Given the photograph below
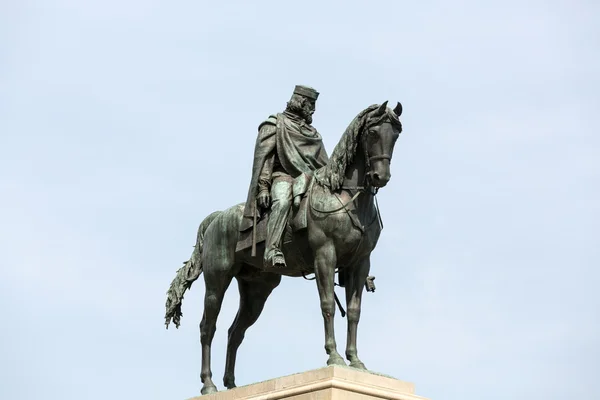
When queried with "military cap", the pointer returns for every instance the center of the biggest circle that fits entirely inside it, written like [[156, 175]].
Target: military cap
[[306, 92]]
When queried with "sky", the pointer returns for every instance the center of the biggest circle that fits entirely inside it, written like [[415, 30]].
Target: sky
[[124, 123]]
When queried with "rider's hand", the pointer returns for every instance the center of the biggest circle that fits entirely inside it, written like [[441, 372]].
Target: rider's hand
[[264, 199]]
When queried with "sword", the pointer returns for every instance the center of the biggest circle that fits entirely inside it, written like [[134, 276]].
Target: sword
[[254, 232], [339, 305]]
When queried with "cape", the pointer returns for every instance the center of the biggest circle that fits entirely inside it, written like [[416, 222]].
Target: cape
[[299, 149]]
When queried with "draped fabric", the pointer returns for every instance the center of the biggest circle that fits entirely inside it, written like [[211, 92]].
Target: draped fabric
[[297, 146]]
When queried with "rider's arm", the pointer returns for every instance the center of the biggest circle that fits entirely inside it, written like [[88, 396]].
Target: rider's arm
[[264, 179]]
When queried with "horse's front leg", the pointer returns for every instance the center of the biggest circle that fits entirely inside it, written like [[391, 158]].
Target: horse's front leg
[[325, 261], [354, 289]]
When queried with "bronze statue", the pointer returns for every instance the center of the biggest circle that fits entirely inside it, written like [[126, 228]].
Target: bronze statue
[[332, 228]]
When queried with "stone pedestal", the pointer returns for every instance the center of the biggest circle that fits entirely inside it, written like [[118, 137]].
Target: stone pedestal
[[330, 383]]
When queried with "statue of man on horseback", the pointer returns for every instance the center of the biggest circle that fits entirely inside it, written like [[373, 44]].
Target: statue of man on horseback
[[287, 146], [334, 231]]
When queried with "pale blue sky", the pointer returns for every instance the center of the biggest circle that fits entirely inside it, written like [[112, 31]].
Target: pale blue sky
[[487, 268]]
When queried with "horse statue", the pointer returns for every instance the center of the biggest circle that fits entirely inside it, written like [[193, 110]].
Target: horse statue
[[335, 225]]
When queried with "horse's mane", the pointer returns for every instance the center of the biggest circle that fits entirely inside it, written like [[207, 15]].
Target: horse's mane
[[332, 175]]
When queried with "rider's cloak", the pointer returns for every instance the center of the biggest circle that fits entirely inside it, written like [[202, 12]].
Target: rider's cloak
[[284, 140]]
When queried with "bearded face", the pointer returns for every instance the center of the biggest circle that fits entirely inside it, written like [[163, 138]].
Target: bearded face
[[302, 107], [308, 109]]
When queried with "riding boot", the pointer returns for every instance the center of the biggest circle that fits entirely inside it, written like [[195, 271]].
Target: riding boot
[[281, 203]]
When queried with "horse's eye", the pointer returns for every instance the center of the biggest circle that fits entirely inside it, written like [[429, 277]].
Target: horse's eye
[[373, 136]]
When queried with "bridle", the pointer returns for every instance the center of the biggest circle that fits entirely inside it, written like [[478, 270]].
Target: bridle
[[367, 187], [381, 157]]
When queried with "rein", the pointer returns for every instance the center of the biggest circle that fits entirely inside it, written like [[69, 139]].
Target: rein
[[343, 206], [359, 189]]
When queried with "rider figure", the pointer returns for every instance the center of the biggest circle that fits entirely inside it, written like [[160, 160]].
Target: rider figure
[[287, 146]]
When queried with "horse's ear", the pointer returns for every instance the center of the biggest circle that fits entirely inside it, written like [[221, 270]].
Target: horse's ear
[[382, 108], [398, 109]]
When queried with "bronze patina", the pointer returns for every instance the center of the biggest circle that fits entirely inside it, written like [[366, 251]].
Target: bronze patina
[[306, 213]]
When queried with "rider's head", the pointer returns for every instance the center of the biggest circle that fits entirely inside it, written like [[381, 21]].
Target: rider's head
[[303, 102]]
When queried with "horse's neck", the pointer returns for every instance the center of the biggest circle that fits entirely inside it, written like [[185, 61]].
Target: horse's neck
[[354, 180], [355, 172]]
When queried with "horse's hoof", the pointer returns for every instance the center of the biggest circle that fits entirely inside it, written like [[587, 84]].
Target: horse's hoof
[[336, 359], [358, 365], [229, 381], [209, 390]]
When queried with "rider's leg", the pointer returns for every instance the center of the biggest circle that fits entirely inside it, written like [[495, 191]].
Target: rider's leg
[[281, 203]]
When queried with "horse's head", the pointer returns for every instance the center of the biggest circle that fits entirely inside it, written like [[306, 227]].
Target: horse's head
[[371, 136], [378, 139]]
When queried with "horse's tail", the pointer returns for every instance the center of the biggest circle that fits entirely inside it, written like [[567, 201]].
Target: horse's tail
[[186, 275]]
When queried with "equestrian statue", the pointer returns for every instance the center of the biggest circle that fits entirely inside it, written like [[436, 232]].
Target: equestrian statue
[[306, 213]]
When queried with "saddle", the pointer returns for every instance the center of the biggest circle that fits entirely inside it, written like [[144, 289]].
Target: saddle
[[296, 222]]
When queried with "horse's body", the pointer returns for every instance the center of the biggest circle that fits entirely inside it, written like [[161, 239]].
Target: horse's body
[[342, 229]]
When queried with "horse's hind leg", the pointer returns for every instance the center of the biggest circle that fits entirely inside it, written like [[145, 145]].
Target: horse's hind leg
[[218, 273], [253, 295]]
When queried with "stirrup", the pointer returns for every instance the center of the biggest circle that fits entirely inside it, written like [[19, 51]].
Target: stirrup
[[276, 260]]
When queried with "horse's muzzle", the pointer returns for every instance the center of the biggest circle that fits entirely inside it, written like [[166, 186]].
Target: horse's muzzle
[[379, 180]]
